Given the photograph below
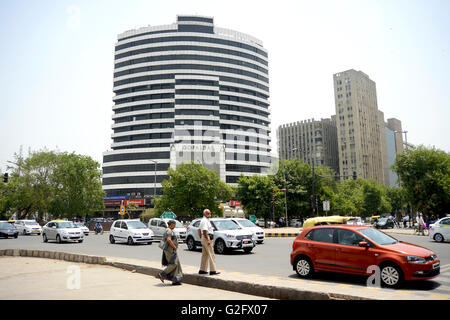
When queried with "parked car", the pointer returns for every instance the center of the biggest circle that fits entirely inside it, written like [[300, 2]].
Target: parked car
[[131, 232], [227, 236], [356, 221], [159, 226], [384, 223], [258, 232], [28, 227], [8, 230], [440, 230], [353, 249], [295, 223], [82, 227], [62, 231]]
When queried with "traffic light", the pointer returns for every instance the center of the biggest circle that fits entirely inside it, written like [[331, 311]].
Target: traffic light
[[5, 177], [354, 175]]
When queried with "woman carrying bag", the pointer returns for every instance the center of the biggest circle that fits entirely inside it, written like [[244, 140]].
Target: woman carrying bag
[[170, 259]]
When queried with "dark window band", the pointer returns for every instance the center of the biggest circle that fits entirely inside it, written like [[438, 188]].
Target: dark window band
[[136, 156]]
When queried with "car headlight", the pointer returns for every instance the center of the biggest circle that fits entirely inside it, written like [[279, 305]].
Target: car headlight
[[415, 259]]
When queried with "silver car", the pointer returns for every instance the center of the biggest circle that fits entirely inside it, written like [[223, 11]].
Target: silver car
[[159, 226], [62, 231]]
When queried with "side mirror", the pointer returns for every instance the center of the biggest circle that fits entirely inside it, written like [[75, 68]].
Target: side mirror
[[363, 244]]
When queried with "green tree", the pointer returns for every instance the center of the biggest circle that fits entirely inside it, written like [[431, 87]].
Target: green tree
[[190, 189], [256, 194], [424, 174]]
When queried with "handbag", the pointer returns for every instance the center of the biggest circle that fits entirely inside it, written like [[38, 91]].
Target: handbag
[[162, 244]]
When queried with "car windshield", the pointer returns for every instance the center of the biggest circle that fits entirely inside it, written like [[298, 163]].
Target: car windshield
[[378, 237], [178, 224], [77, 224], [31, 223], [67, 224], [383, 220], [225, 225], [6, 225], [136, 225], [246, 223]]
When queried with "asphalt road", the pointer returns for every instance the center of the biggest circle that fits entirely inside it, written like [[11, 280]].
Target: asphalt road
[[270, 258]]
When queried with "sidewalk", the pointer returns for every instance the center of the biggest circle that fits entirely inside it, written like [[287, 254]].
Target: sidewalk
[[101, 281]]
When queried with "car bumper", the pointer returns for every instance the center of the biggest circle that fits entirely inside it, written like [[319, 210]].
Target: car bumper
[[34, 231], [143, 239], [71, 238], [422, 271], [240, 244], [9, 234]]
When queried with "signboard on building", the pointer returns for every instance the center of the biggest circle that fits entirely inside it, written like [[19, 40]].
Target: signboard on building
[[235, 203], [116, 203]]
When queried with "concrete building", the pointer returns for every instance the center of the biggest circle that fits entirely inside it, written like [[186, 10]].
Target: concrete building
[[187, 91], [311, 141], [360, 130]]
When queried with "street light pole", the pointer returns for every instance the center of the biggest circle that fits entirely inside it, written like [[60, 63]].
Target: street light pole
[[154, 183]]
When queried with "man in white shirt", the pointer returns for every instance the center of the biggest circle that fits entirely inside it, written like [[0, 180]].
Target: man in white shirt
[[208, 256]]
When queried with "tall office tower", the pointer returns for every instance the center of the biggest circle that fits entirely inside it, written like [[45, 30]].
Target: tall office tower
[[311, 140], [396, 126], [188, 91], [358, 126]]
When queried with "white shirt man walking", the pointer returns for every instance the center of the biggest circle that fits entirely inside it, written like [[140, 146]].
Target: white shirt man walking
[[208, 256]]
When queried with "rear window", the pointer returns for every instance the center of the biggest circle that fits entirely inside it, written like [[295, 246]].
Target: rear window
[[321, 235]]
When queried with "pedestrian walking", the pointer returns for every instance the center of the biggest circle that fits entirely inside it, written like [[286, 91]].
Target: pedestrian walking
[[207, 235], [420, 223], [173, 271]]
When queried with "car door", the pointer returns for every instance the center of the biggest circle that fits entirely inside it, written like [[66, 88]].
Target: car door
[[18, 225], [323, 248], [444, 227], [162, 226], [51, 231], [350, 257], [153, 225]]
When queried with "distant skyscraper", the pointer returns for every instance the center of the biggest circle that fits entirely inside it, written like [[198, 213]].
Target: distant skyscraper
[[359, 128], [188, 91], [311, 141]]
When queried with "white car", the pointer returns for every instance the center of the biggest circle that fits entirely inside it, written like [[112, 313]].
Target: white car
[[258, 233], [28, 227], [440, 230], [82, 227], [227, 236], [62, 231], [295, 223], [159, 226], [130, 231]]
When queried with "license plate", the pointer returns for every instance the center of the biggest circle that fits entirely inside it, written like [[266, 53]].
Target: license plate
[[436, 265], [246, 242]]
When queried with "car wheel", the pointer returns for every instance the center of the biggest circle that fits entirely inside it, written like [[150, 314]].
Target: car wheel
[[438, 237], [191, 244], [80, 241], [259, 242], [16, 235], [24, 233], [58, 239], [391, 275], [130, 241], [220, 246], [111, 239], [44, 236], [303, 267], [248, 250], [149, 242]]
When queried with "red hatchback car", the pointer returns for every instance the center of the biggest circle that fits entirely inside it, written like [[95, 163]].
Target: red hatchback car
[[353, 249]]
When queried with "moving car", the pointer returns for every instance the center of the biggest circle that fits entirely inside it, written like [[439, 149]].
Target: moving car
[[440, 230], [62, 231], [384, 223], [82, 227], [159, 226], [130, 231], [295, 223], [258, 233], [8, 230], [28, 227], [353, 249], [227, 236]]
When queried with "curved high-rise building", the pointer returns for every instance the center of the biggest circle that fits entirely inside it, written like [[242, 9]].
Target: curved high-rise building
[[187, 91]]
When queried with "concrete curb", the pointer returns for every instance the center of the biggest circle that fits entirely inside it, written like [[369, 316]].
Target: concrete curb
[[269, 291]]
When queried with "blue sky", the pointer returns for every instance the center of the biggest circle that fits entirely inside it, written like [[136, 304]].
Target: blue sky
[[56, 62]]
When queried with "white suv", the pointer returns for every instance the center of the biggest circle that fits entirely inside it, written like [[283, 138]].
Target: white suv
[[258, 233], [62, 231], [28, 227], [159, 226], [130, 231], [227, 236]]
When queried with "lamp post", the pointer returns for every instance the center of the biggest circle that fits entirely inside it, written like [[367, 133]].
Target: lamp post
[[154, 183]]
